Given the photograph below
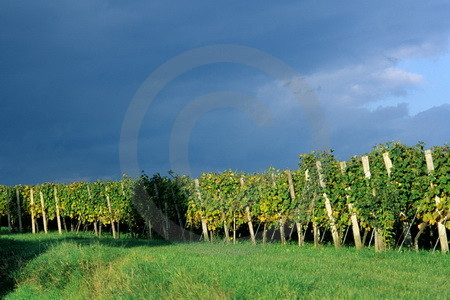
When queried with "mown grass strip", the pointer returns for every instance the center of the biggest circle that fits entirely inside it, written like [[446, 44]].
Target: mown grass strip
[[84, 267]]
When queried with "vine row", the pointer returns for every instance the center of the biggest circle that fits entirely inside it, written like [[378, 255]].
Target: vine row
[[389, 198]]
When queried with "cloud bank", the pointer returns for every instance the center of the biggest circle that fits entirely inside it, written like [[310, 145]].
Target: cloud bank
[[69, 70]]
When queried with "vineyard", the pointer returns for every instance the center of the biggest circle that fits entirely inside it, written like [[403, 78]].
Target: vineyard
[[397, 196]]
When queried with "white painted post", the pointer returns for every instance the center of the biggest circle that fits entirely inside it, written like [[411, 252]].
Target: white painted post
[[334, 231], [249, 219], [380, 243], [406, 226], [300, 236], [19, 210], [33, 225], [58, 215], [355, 225], [113, 228], [44, 215], [441, 227], [204, 224]]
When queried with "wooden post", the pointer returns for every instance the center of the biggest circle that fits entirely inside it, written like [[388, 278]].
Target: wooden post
[[203, 220], [380, 243], [334, 231], [226, 229], [441, 227], [33, 225], [165, 226], [8, 214], [150, 229], [65, 224], [421, 227], [234, 229], [406, 225], [298, 225], [249, 219], [281, 221], [264, 234], [44, 215], [282, 231], [19, 210], [316, 231], [180, 220], [181, 223], [211, 234], [113, 228], [301, 238], [77, 228], [130, 227], [387, 163], [364, 237], [96, 231], [95, 228], [355, 225], [58, 214], [9, 221]]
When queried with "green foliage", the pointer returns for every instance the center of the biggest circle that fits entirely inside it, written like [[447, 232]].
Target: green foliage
[[6, 198], [384, 201]]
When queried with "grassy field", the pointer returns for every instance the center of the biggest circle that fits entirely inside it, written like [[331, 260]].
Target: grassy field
[[81, 266]]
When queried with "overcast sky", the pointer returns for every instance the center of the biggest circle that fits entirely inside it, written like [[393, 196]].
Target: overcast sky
[[70, 70]]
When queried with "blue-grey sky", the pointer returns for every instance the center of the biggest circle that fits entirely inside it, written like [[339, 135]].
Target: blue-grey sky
[[70, 69]]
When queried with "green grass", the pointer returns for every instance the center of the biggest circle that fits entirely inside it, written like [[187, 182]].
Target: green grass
[[80, 267]]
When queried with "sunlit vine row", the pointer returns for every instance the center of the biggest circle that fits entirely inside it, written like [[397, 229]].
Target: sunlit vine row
[[323, 193]]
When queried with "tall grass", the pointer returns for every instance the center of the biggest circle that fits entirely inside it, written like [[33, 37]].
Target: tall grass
[[89, 268]]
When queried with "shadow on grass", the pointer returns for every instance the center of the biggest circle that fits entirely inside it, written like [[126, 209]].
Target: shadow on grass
[[16, 250]]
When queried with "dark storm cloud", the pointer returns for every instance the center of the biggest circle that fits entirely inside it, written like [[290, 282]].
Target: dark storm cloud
[[70, 68], [356, 130]]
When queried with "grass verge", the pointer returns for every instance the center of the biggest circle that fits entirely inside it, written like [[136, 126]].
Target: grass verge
[[82, 267]]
